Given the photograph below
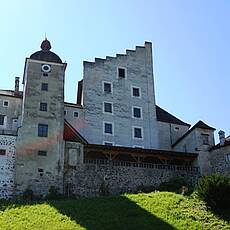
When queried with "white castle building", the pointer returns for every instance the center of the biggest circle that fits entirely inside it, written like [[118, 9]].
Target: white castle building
[[115, 118]]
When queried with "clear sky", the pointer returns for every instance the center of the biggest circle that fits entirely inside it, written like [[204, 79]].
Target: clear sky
[[191, 44]]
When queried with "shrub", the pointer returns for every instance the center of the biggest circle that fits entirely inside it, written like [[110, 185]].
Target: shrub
[[104, 189], [175, 184], [215, 191], [53, 194], [145, 188]]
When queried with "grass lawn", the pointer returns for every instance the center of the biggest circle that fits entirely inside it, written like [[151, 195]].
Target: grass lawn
[[160, 210]]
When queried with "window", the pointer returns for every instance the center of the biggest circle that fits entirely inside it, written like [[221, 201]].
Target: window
[[42, 153], [107, 87], [45, 74], [65, 112], [176, 129], [75, 114], [108, 128], [108, 107], [43, 106], [137, 112], [42, 130], [2, 119], [136, 91], [5, 103], [2, 152], [137, 133], [138, 147], [121, 72], [44, 87], [108, 143], [41, 171], [228, 157], [205, 139]]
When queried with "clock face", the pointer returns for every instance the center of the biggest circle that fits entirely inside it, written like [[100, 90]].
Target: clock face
[[46, 68]]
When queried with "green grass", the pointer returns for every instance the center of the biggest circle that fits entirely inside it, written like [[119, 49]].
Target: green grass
[[160, 210]]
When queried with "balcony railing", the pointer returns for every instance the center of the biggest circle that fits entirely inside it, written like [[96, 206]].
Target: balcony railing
[[140, 165]]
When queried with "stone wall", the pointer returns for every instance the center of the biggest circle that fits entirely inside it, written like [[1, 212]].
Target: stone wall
[[7, 166], [219, 161], [86, 179]]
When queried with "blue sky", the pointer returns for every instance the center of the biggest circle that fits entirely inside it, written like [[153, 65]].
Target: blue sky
[[190, 43]]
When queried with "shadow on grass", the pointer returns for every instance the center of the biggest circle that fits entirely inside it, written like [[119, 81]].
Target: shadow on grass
[[223, 214], [110, 213]]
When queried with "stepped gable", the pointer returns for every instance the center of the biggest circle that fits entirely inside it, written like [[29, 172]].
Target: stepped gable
[[165, 116], [200, 124], [109, 58]]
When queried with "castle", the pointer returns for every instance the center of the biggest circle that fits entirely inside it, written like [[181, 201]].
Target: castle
[[114, 133]]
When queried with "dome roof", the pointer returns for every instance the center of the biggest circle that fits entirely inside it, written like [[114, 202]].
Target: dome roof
[[45, 54]]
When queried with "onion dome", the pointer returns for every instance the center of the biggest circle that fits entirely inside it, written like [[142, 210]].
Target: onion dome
[[45, 54]]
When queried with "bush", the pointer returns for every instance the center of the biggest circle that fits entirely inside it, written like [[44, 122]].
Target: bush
[[145, 188], [215, 191], [104, 189], [175, 184], [53, 194]]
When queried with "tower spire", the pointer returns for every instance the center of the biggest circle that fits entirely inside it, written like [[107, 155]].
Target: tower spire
[[46, 46]]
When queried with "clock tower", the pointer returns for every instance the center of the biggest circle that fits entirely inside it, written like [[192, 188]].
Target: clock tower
[[40, 145]]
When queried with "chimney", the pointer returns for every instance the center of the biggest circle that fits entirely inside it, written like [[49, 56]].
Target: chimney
[[221, 137], [16, 85]]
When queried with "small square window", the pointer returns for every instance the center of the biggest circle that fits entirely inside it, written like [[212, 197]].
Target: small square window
[[108, 128], [2, 119], [2, 152], [40, 170], [45, 74], [108, 143], [121, 72], [137, 132], [108, 108], [5, 103], [44, 87], [43, 107], [107, 87], [75, 114], [205, 139], [136, 112], [42, 153], [42, 130], [228, 157], [136, 92]]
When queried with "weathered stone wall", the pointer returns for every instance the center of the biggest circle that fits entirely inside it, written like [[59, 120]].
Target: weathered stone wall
[[7, 166], [218, 160], [169, 133], [12, 112], [139, 73], [77, 122], [193, 143], [86, 180], [33, 170]]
